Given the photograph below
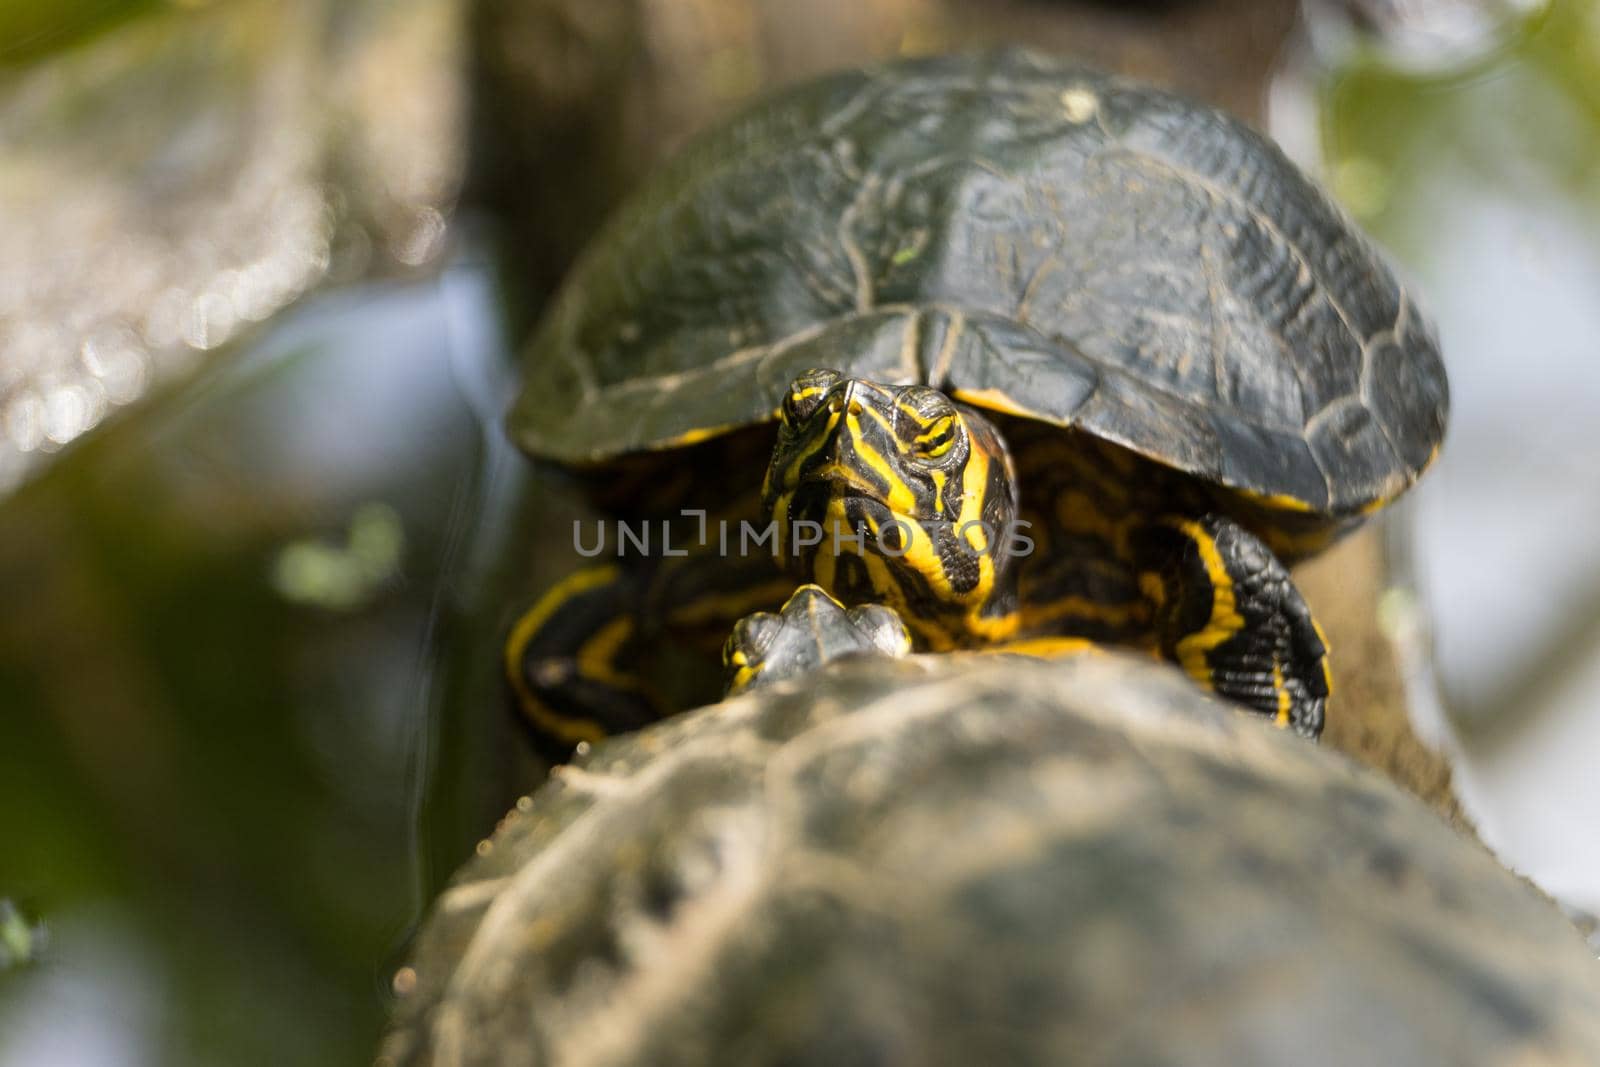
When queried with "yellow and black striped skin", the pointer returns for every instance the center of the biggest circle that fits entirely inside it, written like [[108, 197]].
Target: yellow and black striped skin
[[1124, 552], [593, 655], [912, 497], [1135, 554], [564, 658]]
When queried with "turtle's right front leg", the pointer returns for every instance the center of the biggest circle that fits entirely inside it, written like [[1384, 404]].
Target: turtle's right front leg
[[617, 646], [570, 658]]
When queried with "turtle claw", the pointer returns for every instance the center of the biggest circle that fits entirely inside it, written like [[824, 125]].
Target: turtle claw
[[811, 630]]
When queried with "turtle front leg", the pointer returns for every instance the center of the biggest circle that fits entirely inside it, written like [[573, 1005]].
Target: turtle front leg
[[1226, 610], [569, 658], [615, 647]]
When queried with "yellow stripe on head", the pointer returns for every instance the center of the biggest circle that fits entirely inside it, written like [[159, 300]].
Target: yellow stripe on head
[[900, 498]]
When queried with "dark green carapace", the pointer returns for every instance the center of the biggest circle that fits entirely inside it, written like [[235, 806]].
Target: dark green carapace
[[980, 288]]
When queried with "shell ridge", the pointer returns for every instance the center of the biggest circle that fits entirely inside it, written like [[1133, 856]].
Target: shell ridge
[[1222, 193]]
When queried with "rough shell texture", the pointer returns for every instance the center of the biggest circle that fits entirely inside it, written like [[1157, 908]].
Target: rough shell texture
[[1032, 234], [982, 860]]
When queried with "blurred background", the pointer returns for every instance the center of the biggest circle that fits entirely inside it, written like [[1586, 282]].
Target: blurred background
[[264, 266]]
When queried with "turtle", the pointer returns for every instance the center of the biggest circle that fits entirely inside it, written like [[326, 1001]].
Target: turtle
[[1016, 348], [965, 858]]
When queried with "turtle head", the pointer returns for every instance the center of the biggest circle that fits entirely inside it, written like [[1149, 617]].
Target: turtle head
[[811, 630], [896, 494]]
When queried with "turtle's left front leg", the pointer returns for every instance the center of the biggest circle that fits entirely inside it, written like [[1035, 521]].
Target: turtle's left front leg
[[1227, 611]]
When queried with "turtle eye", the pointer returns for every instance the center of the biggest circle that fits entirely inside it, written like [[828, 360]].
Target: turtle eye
[[805, 396], [938, 439], [928, 421]]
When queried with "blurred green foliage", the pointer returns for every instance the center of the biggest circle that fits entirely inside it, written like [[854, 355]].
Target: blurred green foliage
[[33, 28], [20, 941], [1524, 116], [244, 763]]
